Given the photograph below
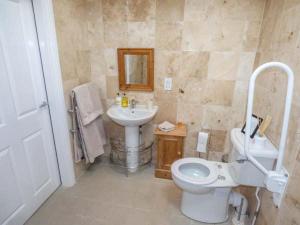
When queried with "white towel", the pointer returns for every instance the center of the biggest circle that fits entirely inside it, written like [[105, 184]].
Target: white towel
[[166, 126], [88, 102], [89, 135], [93, 138]]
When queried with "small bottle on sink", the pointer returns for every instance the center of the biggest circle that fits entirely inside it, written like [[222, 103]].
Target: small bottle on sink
[[124, 102], [118, 99]]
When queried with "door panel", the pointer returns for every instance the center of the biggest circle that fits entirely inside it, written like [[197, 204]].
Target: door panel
[[28, 164], [18, 61], [10, 192], [36, 159]]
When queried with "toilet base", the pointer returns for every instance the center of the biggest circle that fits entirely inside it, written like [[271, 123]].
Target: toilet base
[[211, 207]]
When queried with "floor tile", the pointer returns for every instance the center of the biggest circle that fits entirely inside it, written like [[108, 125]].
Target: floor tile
[[104, 195]]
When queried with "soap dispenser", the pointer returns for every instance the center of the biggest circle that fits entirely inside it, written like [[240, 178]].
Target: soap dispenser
[[118, 99], [124, 102]]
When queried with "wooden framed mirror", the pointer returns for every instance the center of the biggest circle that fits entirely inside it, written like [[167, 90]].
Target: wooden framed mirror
[[136, 69]]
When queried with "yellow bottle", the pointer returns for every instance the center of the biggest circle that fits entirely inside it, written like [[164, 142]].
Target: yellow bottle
[[124, 102]]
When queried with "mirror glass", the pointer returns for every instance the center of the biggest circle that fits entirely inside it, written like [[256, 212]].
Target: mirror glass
[[136, 69]]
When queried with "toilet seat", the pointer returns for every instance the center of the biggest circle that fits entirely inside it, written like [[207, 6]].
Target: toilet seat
[[195, 171]]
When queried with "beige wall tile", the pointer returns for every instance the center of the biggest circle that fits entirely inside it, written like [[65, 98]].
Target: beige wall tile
[[190, 114], [221, 117], [223, 65], [197, 35], [110, 58], [229, 35], [251, 35], [217, 92], [141, 10], [196, 10], [141, 34], [95, 34], [83, 66], [240, 95], [169, 10], [168, 35], [94, 19], [167, 63], [168, 111], [269, 34], [142, 97], [290, 4], [194, 64], [217, 140], [193, 90], [289, 27], [215, 156], [246, 66], [190, 144], [167, 103], [245, 10], [100, 81], [115, 34], [112, 86], [114, 10], [97, 63]]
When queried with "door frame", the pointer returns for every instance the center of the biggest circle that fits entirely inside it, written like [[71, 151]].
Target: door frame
[[45, 25]]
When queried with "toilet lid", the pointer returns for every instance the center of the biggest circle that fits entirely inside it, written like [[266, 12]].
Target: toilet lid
[[195, 170]]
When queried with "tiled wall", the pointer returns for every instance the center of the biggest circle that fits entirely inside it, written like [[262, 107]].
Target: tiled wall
[[79, 36], [280, 41], [208, 47]]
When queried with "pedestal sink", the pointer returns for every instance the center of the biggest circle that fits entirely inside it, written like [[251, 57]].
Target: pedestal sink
[[131, 119]]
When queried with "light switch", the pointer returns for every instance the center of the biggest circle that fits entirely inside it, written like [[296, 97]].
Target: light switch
[[168, 84]]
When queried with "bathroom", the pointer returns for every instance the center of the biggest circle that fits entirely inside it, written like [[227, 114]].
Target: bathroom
[[208, 49]]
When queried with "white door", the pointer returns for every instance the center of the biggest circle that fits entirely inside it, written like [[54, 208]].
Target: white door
[[28, 164]]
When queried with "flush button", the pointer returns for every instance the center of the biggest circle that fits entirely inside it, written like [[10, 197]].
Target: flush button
[[219, 166]]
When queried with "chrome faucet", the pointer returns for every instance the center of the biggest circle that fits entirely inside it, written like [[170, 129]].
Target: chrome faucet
[[133, 103]]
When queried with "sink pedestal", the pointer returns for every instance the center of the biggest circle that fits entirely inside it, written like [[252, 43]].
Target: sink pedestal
[[132, 142], [132, 120]]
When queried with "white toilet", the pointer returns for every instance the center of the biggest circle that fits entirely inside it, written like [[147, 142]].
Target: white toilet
[[207, 184]]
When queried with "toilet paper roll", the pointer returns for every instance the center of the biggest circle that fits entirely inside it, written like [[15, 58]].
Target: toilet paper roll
[[202, 142]]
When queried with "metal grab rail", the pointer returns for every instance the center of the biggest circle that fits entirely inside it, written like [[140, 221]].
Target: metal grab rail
[[288, 102], [275, 181]]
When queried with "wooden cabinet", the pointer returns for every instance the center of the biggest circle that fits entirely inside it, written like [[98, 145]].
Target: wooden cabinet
[[169, 149]]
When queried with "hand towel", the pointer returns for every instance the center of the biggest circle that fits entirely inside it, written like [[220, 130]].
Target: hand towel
[[93, 139], [88, 131], [88, 102], [166, 126]]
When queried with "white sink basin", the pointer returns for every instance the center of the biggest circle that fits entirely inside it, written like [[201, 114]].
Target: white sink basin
[[131, 117]]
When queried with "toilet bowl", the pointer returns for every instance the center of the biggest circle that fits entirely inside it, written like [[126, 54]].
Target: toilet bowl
[[206, 188], [194, 174], [207, 185]]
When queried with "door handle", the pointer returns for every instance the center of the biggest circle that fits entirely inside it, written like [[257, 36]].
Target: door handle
[[43, 105]]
